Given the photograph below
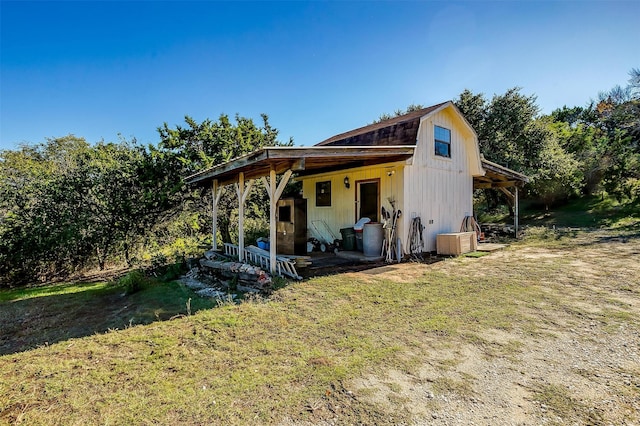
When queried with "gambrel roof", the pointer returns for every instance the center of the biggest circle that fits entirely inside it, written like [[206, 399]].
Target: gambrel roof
[[396, 131], [389, 140]]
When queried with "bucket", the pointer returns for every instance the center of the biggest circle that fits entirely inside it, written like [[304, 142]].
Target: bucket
[[348, 239], [372, 238]]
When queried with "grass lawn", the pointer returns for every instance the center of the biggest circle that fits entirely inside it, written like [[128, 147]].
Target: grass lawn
[[38, 316], [586, 212], [87, 354]]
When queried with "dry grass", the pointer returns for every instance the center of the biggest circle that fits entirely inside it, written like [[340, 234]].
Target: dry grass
[[294, 358]]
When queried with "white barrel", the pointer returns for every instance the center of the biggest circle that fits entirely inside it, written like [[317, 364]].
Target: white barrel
[[372, 237]]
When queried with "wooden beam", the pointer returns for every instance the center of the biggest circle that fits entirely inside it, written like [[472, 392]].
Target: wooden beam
[[494, 184], [275, 191], [272, 219], [508, 193], [242, 193], [216, 192], [283, 183], [515, 212], [482, 185], [259, 163], [298, 165]]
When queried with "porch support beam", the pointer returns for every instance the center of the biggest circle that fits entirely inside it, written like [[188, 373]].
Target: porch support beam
[[508, 193], [500, 184], [216, 192], [242, 193], [274, 195], [515, 211]]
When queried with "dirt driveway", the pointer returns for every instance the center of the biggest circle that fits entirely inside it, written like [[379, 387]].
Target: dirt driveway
[[577, 361]]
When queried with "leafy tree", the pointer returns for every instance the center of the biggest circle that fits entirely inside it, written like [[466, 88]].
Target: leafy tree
[[41, 215], [198, 146], [64, 203], [474, 108], [558, 175], [126, 193], [509, 132]]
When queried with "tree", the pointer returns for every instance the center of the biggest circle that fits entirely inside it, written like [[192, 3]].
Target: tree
[[399, 112], [509, 132], [558, 176], [40, 229], [474, 108], [199, 146]]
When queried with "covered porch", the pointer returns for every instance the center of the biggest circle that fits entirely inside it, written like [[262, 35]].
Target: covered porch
[[504, 180], [275, 166]]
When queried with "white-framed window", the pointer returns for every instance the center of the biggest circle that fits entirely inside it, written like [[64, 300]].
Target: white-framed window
[[442, 138]]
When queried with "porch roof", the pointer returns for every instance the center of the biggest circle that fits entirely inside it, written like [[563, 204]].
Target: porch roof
[[303, 160], [497, 176]]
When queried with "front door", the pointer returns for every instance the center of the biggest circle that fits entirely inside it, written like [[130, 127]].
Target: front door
[[368, 199]]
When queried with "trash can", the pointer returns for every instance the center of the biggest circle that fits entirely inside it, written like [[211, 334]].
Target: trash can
[[358, 228], [348, 239], [372, 238]]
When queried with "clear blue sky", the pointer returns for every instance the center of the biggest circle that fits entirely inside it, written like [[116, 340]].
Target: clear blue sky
[[96, 69]]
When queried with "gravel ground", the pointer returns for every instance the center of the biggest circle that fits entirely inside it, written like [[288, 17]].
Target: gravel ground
[[580, 366]]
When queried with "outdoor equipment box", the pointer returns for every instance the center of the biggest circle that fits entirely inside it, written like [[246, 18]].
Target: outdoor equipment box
[[291, 226], [456, 243]]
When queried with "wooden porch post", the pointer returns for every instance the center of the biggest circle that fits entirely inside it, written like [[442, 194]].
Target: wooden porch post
[[242, 197], [216, 191], [274, 196], [515, 213], [272, 220]]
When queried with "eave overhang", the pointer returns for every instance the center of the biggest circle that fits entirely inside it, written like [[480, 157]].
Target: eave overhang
[[497, 176], [302, 160]]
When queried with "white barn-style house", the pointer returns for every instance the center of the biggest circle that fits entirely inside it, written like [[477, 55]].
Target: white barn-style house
[[427, 162]]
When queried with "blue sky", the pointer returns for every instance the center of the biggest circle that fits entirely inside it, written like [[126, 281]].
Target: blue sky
[[99, 69]]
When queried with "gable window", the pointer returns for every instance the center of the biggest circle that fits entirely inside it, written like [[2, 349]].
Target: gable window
[[442, 141], [323, 194]]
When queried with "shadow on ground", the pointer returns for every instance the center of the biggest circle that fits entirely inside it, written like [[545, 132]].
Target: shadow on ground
[[42, 319]]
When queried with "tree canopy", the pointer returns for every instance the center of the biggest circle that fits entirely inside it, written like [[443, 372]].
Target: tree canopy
[[66, 204]]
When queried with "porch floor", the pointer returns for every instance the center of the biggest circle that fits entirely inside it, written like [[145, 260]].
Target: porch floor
[[329, 263]]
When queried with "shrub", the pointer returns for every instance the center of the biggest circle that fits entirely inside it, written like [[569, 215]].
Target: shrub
[[134, 281], [173, 271]]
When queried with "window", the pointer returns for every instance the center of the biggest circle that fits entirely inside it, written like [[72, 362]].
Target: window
[[443, 141], [323, 194], [284, 214]]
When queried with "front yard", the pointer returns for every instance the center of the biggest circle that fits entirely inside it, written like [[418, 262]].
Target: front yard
[[544, 332]]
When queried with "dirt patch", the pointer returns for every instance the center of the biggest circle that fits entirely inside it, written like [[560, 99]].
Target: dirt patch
[[581, 364]]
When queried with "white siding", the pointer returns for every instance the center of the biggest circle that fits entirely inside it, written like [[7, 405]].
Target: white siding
[[439, 189]]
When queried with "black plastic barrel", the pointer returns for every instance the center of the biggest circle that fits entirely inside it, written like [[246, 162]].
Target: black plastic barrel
[[348, 239]]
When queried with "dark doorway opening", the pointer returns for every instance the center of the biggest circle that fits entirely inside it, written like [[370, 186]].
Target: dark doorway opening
[[368, 199]]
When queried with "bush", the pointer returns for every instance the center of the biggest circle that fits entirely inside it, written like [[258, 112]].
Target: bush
[[134, 281], [540, 233], [173, 271]]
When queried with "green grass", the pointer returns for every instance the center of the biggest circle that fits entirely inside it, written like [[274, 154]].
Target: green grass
[[559, 400], [25, 293], [255, 362], [43, 315], [585, 212], [76, 360]]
